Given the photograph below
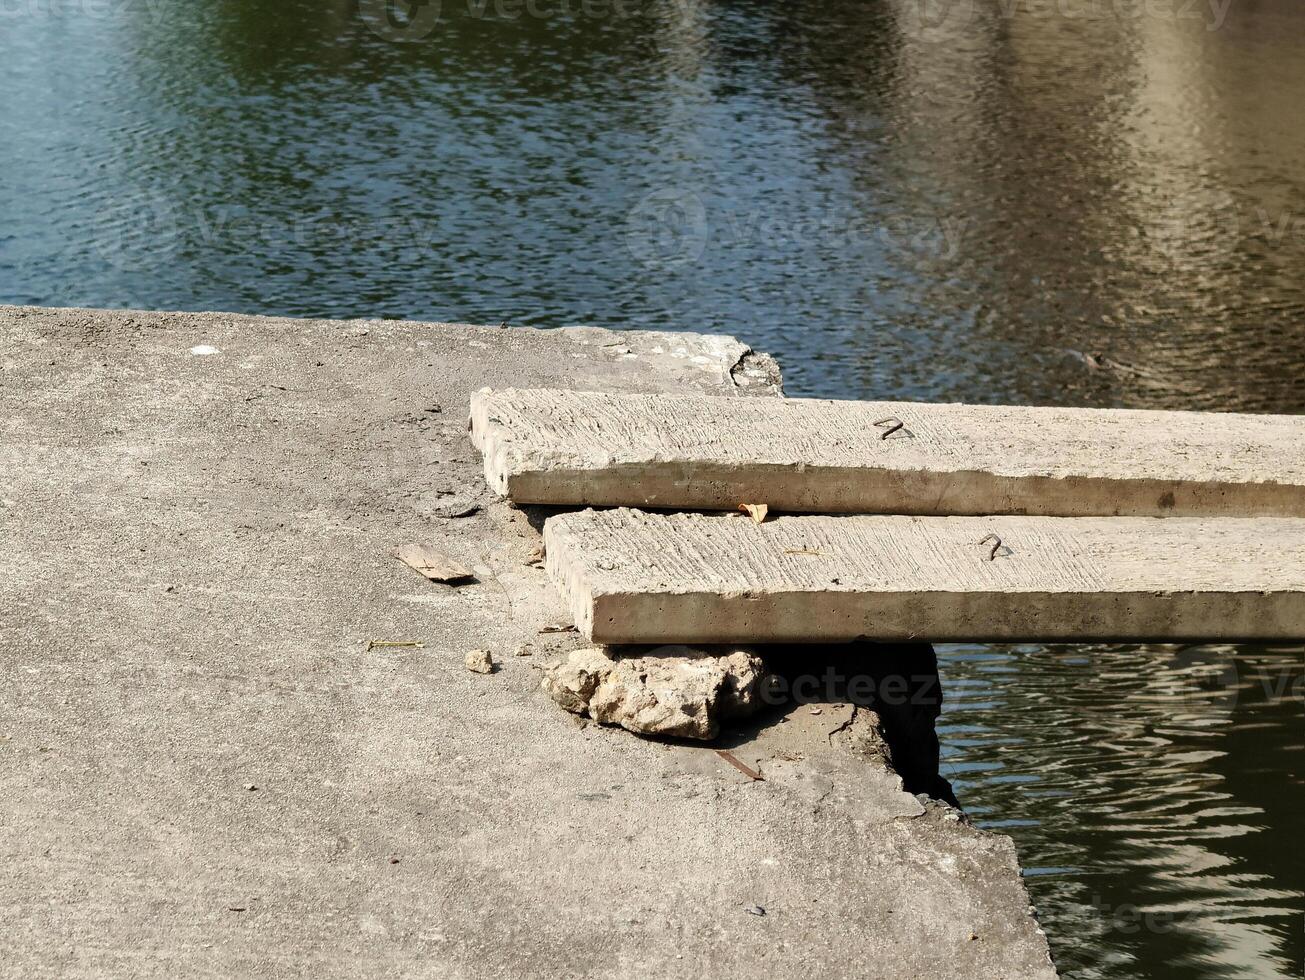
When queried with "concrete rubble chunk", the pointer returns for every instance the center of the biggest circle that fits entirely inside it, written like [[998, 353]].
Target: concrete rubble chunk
[[480, 662], [548, 446], [638, 577], [676, 691]]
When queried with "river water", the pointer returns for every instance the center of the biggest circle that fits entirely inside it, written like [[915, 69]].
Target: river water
[[1084, 202]]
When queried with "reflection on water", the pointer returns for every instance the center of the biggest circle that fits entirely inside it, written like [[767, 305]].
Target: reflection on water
[[1088, 201], [1043, 201], [1151, 790]]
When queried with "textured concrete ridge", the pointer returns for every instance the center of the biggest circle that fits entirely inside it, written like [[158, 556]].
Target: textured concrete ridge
[[808, 455], [205, 771], [637, 577]]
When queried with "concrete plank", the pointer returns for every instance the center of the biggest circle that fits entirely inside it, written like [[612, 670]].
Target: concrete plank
[[808, 455], [640, 577]]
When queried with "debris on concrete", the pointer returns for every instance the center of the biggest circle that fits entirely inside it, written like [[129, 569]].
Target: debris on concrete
[[480, 662], [444, 506], [392, 644], [522, 651], [756, 511], [557, 628], [738, 764], [756, 910], [437, 567], [686, 693]]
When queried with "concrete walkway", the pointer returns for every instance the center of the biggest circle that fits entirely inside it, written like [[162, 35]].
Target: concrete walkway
[[206, 772], [814, 455], [634, 576]]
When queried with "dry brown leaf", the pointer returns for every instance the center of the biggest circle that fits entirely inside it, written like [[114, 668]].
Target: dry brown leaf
[[756, 511], [430, 563]]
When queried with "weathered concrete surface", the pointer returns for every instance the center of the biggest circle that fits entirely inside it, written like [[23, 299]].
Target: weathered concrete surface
[[633, 576], [194, 554], [808, 455]]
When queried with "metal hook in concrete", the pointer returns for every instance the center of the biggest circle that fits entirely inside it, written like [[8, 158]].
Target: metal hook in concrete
[[996, 545], [894, 423]]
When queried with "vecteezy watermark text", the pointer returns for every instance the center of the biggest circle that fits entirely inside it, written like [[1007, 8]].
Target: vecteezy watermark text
[[140, 232], [949, 17], [673, 227]]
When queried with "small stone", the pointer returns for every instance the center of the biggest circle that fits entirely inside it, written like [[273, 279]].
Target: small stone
[[522, 651], [251, 787], [480, 662], [756, 910], [815, 711]]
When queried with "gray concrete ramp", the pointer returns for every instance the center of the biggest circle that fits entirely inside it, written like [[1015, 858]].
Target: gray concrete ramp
[[693, 451], [637, 577]]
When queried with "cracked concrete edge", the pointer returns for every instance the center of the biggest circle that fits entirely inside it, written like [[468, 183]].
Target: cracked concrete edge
[[730, 363], [627, 360]]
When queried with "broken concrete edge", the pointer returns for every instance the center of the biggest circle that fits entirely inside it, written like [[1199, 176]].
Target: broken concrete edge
[[732, 363], [696, 692]]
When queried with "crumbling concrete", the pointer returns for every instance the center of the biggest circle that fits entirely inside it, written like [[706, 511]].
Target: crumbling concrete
[[673, 691], [194, 556], [634, 576], [810, 455]]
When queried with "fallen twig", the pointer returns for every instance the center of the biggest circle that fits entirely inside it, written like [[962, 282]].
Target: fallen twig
[[733, 760], [557, 628], [378, 644]]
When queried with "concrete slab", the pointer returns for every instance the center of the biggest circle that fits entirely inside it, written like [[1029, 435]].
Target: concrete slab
[[807, 455], [642, 577], [206, 772]]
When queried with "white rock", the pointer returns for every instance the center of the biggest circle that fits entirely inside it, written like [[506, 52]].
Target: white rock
[[679, 691]]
